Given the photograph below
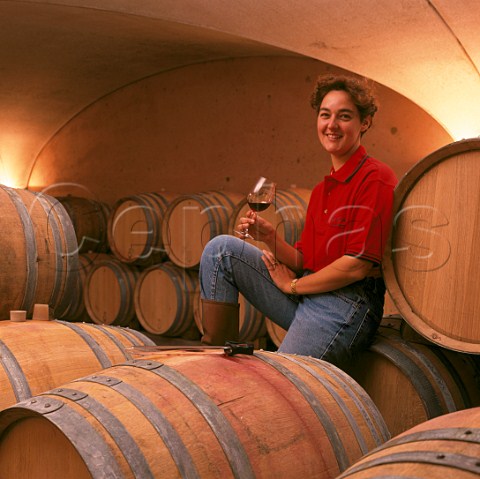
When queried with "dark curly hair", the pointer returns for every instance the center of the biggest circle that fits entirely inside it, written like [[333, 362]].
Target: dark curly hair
[[360, 90]]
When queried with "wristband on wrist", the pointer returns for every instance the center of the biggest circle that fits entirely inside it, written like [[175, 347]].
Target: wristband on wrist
[[293, 287]]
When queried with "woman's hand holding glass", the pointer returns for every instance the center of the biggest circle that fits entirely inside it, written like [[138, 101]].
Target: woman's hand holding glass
[[258, 228], [259, 198]]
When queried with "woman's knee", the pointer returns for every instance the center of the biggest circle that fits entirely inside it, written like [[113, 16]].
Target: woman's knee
[[217, 247]]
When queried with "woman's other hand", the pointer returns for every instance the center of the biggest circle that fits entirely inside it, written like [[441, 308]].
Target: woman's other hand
[[280, 274]]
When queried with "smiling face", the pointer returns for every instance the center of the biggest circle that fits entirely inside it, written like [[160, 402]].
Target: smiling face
[[339, 126]]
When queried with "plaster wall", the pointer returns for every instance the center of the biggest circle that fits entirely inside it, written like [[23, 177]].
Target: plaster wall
[[217, 125]]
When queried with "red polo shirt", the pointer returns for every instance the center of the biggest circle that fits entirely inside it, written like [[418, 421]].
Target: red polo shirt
[[349, 213]]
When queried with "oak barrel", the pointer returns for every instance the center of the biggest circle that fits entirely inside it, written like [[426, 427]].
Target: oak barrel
[[90, 221], [441, 448], [191, 221], [36, 356], [431, 262], [164, 299], [39, 252], [195, 415], [108, 292], [76, 310], [135, 228], [413, 382]]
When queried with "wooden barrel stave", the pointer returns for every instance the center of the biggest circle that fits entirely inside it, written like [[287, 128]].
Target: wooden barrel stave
[[412, 382], [431, 251], [90, 222], [444, 447], [76, 310], [135, 225], [40, 250], [193, 220], [38, 355], [252, 321], [109, 292], [205, 415], [275, 332], [164, 299]]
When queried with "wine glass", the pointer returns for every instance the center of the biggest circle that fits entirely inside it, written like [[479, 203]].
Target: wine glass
[[259, 199]]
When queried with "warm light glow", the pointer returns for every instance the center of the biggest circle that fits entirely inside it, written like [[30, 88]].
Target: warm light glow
[[459, 112], [13, 170], [10, 176], [464, 132]]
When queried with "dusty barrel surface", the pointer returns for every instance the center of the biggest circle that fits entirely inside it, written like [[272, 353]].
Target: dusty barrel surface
[[36, 356], [135, 228], [191, 221], [164, 299], [433, 253], [412, 382], [39, 252], [444, 447], [196, 415], [90, 221]]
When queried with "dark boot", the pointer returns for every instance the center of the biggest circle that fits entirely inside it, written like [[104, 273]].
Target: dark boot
[[220, 322]]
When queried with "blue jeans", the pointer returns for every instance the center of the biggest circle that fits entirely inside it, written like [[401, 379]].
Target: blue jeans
[[332, 326]]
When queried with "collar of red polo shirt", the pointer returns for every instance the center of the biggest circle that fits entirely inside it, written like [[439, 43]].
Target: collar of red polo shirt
[[348, 170]]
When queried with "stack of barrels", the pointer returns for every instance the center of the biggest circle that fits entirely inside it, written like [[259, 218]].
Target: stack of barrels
[[138, 260], [422, 371], [93, 400], [409, 406], [133, 264]]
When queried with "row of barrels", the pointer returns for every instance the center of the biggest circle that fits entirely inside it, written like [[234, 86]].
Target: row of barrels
[[429, 264], [150, 228], [422, 370], [90, 401], [409, 379], [194, 414], [155, 241], [145, 412], [53, 243], [424, 363], [163, 299]]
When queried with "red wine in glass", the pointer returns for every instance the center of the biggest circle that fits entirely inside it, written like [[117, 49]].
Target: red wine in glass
[[260, 206], [259, 199]]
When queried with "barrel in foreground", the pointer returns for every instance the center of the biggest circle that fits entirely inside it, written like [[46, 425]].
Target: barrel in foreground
[[194, 414]]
